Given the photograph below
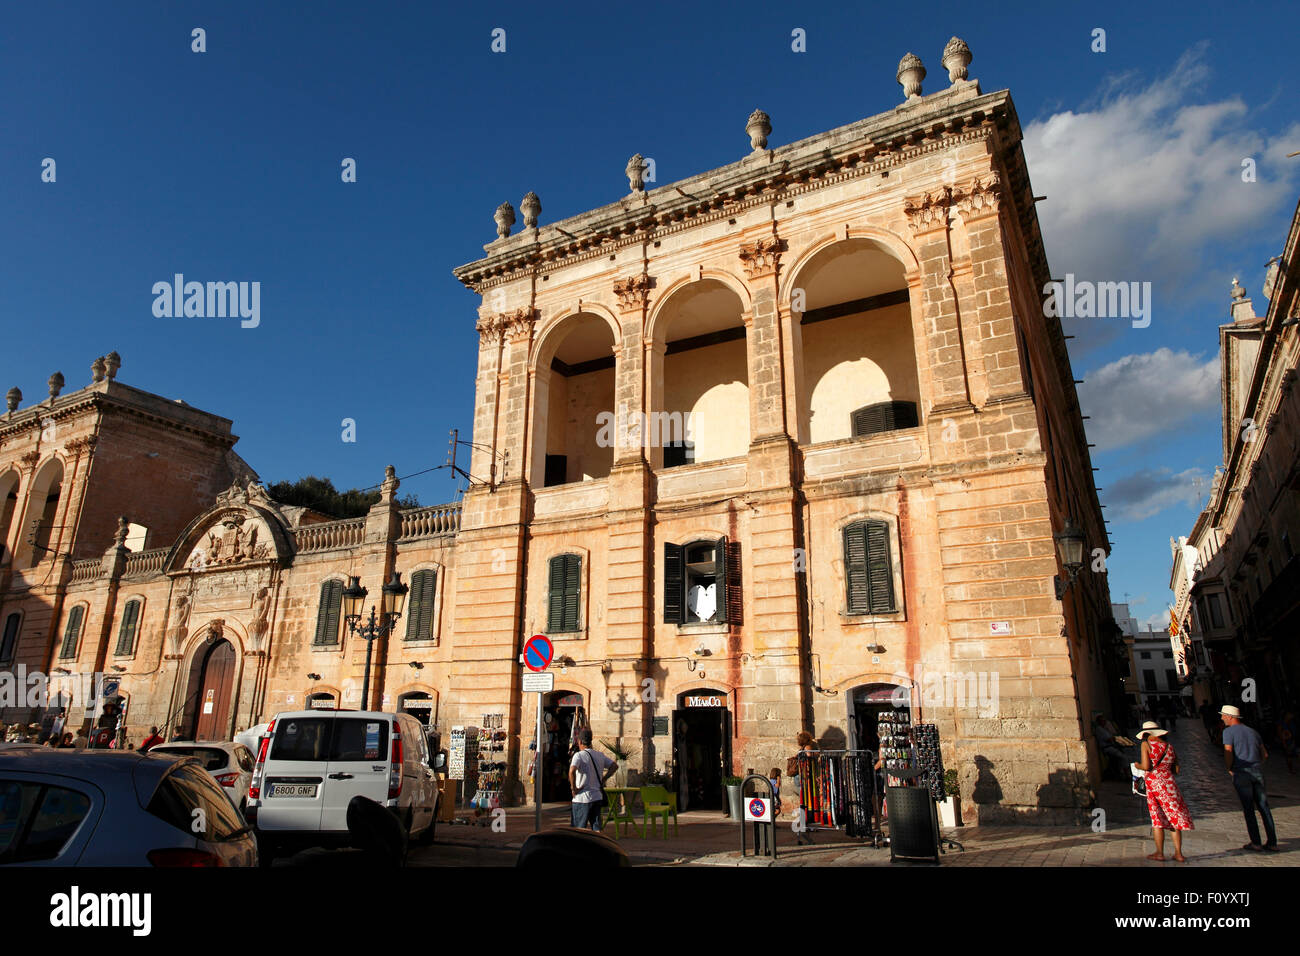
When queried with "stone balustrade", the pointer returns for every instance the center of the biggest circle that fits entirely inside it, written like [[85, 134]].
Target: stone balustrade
[[87, 569], [346, 533], [430, 522], [143, 563]]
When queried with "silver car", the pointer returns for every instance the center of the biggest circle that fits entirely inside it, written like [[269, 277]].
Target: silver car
[[115, 808]]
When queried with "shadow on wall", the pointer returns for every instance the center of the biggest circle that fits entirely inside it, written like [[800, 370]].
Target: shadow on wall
[[832, 738], [1064, 800]]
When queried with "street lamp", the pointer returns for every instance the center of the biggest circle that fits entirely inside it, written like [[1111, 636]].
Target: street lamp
[[1069, 548], [354, 599]]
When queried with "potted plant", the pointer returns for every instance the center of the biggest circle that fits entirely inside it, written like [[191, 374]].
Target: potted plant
[[734, 800], [621, 754], [950, 809]]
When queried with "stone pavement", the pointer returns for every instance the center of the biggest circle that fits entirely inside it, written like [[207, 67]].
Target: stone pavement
[[1122, 836]]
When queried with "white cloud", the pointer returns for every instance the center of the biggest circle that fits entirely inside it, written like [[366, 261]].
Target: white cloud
[[1147, 184], [1149, 491], [1143, 395]]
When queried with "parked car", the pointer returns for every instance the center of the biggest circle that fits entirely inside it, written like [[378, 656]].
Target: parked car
[[230, 764], [115, 808], [252, 737], [311, 763]]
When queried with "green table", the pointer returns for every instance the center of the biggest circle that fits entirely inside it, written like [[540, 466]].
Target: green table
[[619, 808]]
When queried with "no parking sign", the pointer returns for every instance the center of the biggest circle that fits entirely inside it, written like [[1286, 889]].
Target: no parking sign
[[758, 810]]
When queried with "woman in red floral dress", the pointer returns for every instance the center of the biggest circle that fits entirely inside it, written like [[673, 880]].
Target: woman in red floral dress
[[1164, 799]]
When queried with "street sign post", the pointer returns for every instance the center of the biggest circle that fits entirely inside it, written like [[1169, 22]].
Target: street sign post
[[537, 657]]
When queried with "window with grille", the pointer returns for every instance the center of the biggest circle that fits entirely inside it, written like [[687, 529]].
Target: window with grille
[[565, 587], [419, 606], [868, 569], [72, 632], [327, 615], [9, 643], [130, 624], [883, 417]]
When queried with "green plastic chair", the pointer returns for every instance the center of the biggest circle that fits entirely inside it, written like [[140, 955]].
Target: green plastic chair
[[657, 802]]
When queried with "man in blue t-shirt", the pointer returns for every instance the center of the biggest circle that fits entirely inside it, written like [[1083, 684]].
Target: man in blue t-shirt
[[1244, 753]]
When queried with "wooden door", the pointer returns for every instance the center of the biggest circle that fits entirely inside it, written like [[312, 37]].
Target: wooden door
[[214, 693]]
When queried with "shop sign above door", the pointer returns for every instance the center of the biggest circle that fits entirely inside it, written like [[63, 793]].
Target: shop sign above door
[[711, 701]]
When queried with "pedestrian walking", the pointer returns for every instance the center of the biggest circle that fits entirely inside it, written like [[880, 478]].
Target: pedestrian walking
[[1244, 753], [588, 771], [1164, 799]]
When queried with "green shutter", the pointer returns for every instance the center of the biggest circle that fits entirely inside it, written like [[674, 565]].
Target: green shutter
[[555, 595], [327, 615], [126, 633], [572, 589], [880, 569], [72, 632], [674, 584], [855, 568], [419, 619]]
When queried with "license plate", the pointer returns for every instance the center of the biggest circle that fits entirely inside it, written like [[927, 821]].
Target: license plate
[[293, 790]]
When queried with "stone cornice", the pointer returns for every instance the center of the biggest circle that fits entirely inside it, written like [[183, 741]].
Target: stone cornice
[[857, 150]]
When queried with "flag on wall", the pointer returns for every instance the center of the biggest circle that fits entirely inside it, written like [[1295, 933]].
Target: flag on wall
[[1173, 623]]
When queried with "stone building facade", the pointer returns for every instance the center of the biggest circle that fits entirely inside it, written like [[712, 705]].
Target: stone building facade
[[769, 449], [1244, 601]]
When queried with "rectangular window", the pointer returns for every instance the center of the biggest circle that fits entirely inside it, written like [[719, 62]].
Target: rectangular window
[[678, 453], [565, 587], [1144, 655], [126, 633], [72, 632], [9, 642], [1216, 611], [419, 606], [868, 568], [702, 583], [1171, 679], [327, 615], [557, 469], [1149, 679], [883, 417]]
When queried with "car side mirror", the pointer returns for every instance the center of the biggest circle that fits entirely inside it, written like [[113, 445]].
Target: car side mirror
[[440, 761]]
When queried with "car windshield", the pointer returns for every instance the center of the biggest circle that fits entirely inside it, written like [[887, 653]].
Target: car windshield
[[330, 738], [212, 758]]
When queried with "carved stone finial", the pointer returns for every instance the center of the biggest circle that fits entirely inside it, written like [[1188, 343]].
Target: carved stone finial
[[389, 485], [759, 128], [636, 167], [123, 529], [56, 384], [910, 74], [1238, 291], [531, 207], [112, 362], [505, 218], [97, 370], [13, 397], [956, 57]]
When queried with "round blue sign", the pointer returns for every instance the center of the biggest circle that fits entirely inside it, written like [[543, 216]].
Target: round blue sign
[[538, 652], [757, 808]]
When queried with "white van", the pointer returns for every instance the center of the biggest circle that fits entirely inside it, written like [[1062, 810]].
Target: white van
[[311, 763]]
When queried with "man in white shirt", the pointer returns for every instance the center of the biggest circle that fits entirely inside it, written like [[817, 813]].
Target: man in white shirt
[[588, 770]]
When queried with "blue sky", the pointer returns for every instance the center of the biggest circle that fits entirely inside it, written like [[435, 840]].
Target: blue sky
[[225, 165]]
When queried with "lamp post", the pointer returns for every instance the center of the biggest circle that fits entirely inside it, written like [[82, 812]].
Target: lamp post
[[1069, 548], [354, 599]]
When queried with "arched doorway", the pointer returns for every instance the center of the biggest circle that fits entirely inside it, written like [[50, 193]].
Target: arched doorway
[[701, 749], [563, 714], [867, 704], [211, 678]]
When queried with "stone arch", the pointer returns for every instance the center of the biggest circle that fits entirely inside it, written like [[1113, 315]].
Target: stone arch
[[193, 535], [889, 242], [46, 496], [545, 338], [10, 482], [208, 636], [656, 329]]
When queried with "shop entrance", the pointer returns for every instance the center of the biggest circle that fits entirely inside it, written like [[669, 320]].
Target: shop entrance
[[701, 749], [867, 703], [562, 717], [212, 692]]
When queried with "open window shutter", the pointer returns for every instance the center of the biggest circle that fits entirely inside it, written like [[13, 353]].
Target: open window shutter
[[721, 579], [674, 584], [126, 634], [733, 604], [555, 594], [72, 632], [419, 621], [855, 568], [572, 587], [327, 615], [881, 572]]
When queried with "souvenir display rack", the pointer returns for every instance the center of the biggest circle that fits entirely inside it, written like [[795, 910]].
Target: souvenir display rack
[[895, 730], [491, 755], [837, 790], [925, 745]]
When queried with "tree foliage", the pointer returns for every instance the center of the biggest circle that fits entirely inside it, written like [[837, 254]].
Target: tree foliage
[[319, 494]]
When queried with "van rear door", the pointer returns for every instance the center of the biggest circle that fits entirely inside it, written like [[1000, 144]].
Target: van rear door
[[294, 775], [358, 765]]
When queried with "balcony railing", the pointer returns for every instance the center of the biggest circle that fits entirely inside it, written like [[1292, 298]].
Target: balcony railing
[[432, 521], [346, 533], [145, 562], [87, 569]]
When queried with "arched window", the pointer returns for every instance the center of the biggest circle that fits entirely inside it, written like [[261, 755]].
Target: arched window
[[130, 624], [9, 641], [868, 570], [419, 608], [883, 417], [565, 588], [72, 632], [46, 489], [8, 508], [328, 614], [321, 701]]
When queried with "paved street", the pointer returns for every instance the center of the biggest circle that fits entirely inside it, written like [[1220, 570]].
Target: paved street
[[706, 838]]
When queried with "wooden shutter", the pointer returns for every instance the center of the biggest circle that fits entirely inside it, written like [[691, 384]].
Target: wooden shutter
[[72, 632], [855, 568], [880, 569], [883, 417], [419, 621], [572, 590], [126, 633], [555, 595], [327, 615], [731, 597], [674, 584]]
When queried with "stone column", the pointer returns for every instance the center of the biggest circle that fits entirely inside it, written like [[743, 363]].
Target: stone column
[[487, 393]]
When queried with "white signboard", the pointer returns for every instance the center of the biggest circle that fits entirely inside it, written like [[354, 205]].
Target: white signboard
[[462, 738], [999, 628], [758, 810], [539, 683]]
